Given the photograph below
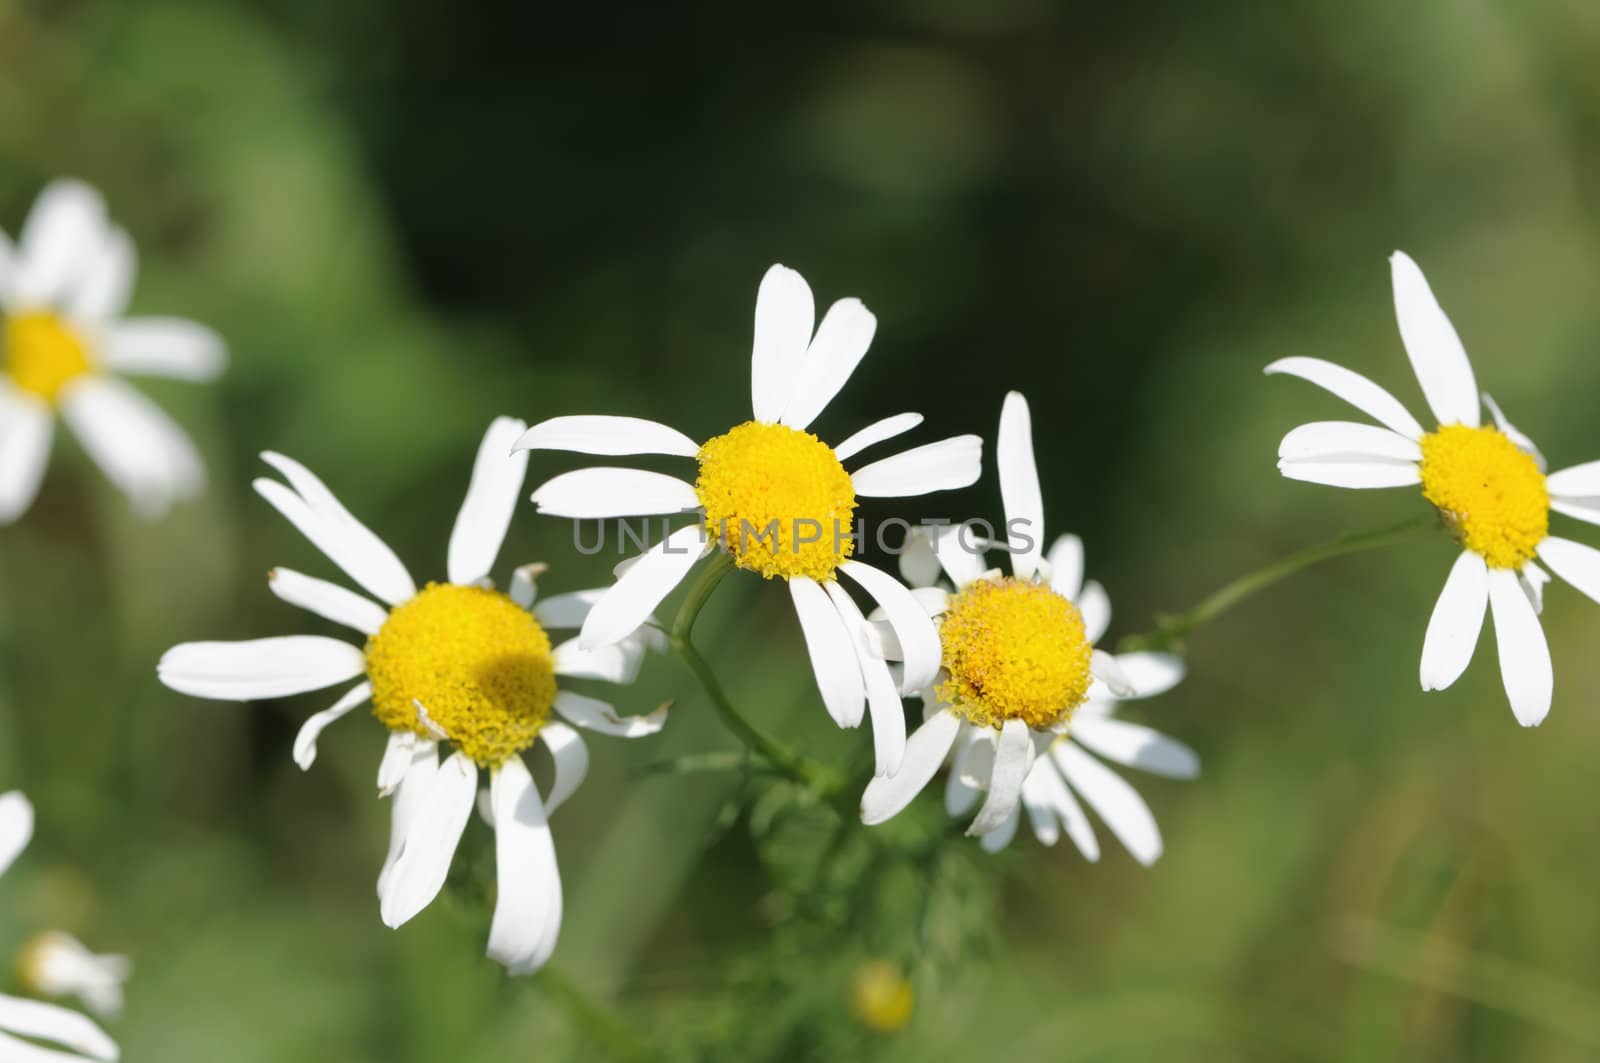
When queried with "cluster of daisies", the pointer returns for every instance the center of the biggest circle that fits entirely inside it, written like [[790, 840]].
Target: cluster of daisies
[[1019, 700]]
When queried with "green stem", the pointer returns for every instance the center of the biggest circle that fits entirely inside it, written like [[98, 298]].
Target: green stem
[[600, 1025], [1171, 629], [819, 778]]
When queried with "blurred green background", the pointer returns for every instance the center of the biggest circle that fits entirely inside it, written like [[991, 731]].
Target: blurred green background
[[410, 216]]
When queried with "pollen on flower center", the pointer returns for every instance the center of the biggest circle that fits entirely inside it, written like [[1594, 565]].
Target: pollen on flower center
[[1014, 650], [43, 354], [476, 661], [778, 500], [1489, 490]]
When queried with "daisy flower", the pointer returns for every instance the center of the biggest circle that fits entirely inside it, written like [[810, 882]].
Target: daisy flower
[[777, 500], [65, 340], [1488, 483], [1020, 676], [38, 1021], [463, 676]]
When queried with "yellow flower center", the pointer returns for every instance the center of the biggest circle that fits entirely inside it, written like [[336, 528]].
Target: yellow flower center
[[43, 354], [475, 660], [1014, 650], [778, 500], [881, 996], [1490, 492]]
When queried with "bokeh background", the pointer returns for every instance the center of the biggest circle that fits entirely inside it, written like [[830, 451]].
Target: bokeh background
[[410, 216]]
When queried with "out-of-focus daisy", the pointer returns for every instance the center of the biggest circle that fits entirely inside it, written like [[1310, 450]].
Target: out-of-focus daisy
[[1488, 483], [777, 499], [23, 1023], [65, 344], [1021, 677], [463, 676]]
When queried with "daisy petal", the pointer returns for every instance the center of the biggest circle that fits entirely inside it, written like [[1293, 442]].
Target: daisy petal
[[832, 651], [327, 600], [635, 595], [785, 315], [1066, 566], [1152, 673], [567, 610], [1001, 836], [525, 861], [47, 1022], [883, 699], [1456, 623], [407, 800], [166, 347], [1513, 433], [1019, 484], [1094, 604], [305, 743], [959, 553], [62, 236], [1357, 474], [616, 663], [608, 492], [1578, 511], [1136, 746], [1106, 668], [925, 751], [259, 668], [1437, 356], [608, 436], [941, 466], [571, 756], [1353, 388], [1013, 758], [1041, 810], [485, 513], [838, 347], [1577, 482], [959, 792], [430, 843], [875, 433], [397, 757], [1073, 817], [16, 827], [142, 450], [1524, 654], [1574, 562], [592, 714], [26, 428], [915, 633], [1346, 441], [107, 281], [1123, 810]]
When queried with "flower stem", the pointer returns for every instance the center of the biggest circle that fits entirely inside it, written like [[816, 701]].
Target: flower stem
[[603, 1027], [1170, 630], [819, 778]]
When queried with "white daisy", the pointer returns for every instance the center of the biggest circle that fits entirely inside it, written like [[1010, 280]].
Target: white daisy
[[1487, 482], [777, 499], [64, 343], [24, 1022], [1021, 677], [456, 664]]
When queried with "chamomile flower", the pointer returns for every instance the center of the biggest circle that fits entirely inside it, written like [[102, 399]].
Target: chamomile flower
[[1488, 483], [464, 677], [23, 1023], [65, 343], [777, 499], [1020, 677]]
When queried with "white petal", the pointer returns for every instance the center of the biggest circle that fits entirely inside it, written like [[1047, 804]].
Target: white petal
[[415, 783], [107, 282], [1513, 433], [26, 427], [1095, 606], [1353, 388], [875, 433], [883, 699], [259, 668], [59, 965], [959, 553], [617, 663], [1357, 474], [832, 652], [571, 756], [960, 791], [940, 466], [918, 564], [305, 743], [16, 827], [327, 600], [1136, 746], [323, 519], [635, 595], [1013, 758], [606, 492], [1437, 356], [593, 714], [1587, 510], [1073, 818], [785, 315], [525, 862], [142, 450], [1019, 484], [925, 751], [430, 843], [1574, 562], [1037, 802], [1104, 667], [916, 634], [47, 1022], [164, 346], [62, 236], [1524, 654], [1533, 580], [838, 347], [607, 435], [397, 757], [1001, 836], [1457, 620], [1066, 566], [567, 610], [1152, 673], [1579, 481], [1346, 441], [485, 513], [1123, 810]]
